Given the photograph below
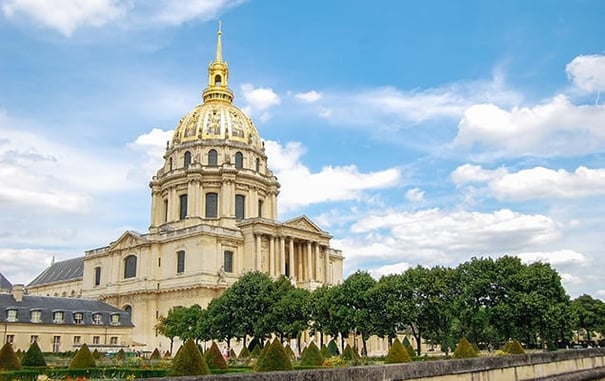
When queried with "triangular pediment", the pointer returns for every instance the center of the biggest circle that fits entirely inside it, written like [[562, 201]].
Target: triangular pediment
[[128, 240], [303, 223]]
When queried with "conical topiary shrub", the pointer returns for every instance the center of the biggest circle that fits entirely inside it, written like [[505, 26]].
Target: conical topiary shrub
[[155, 355], [256, 352], [244, 353], [232, 354], [349, 353], [255, 343], [290, 352], [33, 356], [82, 359], [333, 348], [513, 347], [311, 356], [408, 347], [275, 358], [8, 358], [397, 354], [189, 361], [121, 355], [464, 350], [214, 358]]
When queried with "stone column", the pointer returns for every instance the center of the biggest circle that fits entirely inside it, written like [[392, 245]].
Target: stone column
[[282, 256], [258, 262], [309, 272], [317, 262], [173, 207], [271, 256], [291, 265], [326, 264]]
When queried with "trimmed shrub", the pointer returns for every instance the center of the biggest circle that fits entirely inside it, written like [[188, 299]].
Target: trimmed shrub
[[232, 353], [464, 350], [275, 358], [397, 354], [256, 352], [325, 352], [155, 355], [513, 347], [167, 354], [214, 358], [244, 354], [254, 343], [311, 356], [189, 361], [8, 358], [333, 348], [33, 356], [349, 353], [408, 347], [82, 359], [290, 352], [120, 355]]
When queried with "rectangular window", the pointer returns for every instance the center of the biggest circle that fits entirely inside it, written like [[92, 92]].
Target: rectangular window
[[113, 340], [97, 319], [211, 205], [77, 339], [58, 317], [228, 261], [260, 208], [115, 319], [36, 316], [180, 262], [96, 339], [78, 318], [33, 339], [10, 339], [240, 206], [11, 315], [165, 210], [97, 276], [183, 206], [56, 343]]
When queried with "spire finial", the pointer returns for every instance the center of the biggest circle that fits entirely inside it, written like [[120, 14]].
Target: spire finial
[[219, 43]]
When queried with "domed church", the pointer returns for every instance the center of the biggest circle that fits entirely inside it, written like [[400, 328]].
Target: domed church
[[213, 218]]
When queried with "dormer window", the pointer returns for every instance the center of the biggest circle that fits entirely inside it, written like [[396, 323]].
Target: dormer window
[[78, 318], [36, 316], [58, 317], [97, 319], [115, 319], [11, 315]]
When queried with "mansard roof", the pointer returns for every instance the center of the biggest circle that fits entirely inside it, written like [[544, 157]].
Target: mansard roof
[[4, 283], [47, 305], [71, 269]]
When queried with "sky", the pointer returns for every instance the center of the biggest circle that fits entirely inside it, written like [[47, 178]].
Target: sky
[[415, 132]]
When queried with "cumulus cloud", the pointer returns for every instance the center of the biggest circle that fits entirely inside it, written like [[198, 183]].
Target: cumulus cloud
[[587, 72], [414, 195], [259, 100], [65, 15], [533, 183], [21, 271], [396, 268], [555, 128], [152, 145], [554, 257], [309, 97], [301, 187]]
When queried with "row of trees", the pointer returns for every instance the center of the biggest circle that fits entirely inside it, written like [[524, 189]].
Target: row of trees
[[485, 300]]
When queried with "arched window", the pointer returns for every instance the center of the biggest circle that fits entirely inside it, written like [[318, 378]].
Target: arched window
[[211, 205], [170, 164], [180, 261], [239, 160], [240, 206], [217, 80], [182, 206], [187, 159], [228, 261], [128, 309], [130, 266], [257, 164], [212, 158]]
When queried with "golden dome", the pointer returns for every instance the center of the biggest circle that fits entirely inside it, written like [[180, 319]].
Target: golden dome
[[217, 117]]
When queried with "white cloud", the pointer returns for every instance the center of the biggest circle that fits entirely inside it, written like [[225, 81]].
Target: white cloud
[[587, 73], [534, 183], [153, 146], [554, 257], [556, 127], [65, 15], [301, 187], [414, 195], [176, 12], [309, 97], [258, 101], [22, 271], [396, 268]]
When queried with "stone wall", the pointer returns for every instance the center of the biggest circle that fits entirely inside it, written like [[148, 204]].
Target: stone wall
[[570, 365]]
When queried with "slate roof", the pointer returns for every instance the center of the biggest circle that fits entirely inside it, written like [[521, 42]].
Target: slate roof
[[4, 283], [60, 271], [47, 305]]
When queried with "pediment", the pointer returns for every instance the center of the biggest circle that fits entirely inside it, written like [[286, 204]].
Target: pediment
[[303, 223], [128, 240]]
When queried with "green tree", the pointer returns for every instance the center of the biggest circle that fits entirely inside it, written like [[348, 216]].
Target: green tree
[[33, 356], [590, 315], [355, 297], [289, 313]]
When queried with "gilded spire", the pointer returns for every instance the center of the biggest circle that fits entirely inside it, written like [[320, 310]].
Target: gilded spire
[[218, 74]]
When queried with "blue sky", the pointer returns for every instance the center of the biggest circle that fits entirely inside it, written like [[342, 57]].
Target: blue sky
[[414, 132]]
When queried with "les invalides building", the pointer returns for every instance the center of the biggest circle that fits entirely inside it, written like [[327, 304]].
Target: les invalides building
[[213, 218]]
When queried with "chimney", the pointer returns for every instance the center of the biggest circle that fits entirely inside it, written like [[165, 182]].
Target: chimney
[[18, 292]]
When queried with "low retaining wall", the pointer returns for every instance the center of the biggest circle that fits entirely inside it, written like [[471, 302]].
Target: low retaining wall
[[568, 365]]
